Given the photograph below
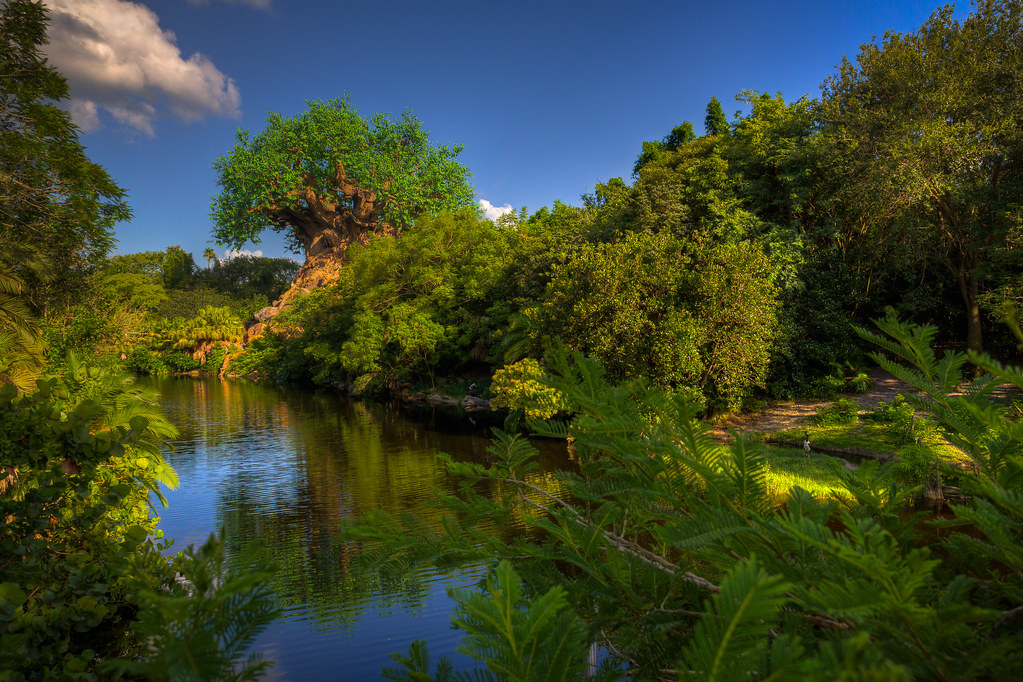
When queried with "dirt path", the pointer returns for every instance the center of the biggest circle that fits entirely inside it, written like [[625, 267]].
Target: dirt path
[[780, 416]]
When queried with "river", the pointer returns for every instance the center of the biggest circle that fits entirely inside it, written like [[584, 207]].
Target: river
[[284, 467]]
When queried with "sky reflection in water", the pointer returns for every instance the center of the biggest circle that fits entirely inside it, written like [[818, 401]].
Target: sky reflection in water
[[284, 467]]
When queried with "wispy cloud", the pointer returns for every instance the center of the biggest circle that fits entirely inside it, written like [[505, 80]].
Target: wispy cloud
[[491, 212], [234, 253], [117, 59]]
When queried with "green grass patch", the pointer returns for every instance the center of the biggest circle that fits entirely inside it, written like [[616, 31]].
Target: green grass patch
[[890, 428], [818, 474]]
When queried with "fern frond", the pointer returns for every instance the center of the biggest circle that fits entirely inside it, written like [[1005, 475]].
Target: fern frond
[[731, 640]]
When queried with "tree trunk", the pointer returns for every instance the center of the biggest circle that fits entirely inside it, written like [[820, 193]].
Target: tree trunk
[[970, 290], [325, 230]]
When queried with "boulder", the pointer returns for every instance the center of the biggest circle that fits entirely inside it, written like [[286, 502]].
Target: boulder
[[264, 314], [472, 403]]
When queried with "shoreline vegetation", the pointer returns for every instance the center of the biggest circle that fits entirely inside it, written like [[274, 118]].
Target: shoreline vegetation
[[778, 255]]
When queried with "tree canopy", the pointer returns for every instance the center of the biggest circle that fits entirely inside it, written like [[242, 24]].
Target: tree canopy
[[329, 177], [52, 197], [923, 130]]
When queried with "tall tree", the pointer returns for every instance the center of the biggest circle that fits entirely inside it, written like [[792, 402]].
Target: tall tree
[[52, 196], [209, 255], [715, 123], [330, 178], [925, 132], [680, 135]]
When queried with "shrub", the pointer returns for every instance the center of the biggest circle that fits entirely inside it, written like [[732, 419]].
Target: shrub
[[520, 386], [842, 411], [143, 361], [179, 362]]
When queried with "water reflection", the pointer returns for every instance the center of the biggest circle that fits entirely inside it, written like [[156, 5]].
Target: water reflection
[[284, 468]]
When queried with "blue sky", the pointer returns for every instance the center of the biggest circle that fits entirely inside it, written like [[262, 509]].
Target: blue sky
[[548, 98]]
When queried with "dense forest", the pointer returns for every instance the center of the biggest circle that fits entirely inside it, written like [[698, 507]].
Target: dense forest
[[775, 254], [730, 266]]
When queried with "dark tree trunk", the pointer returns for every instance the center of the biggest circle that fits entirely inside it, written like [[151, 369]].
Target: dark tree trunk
[[970, 291]]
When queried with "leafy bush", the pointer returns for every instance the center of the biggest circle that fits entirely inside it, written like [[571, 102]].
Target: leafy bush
[[521, 387], [842, 411], [261, 356], [82, 455], [144, 362], [402, 307], [201, 630], [179, 362], [695, 319], [215, 358], [898, 413]]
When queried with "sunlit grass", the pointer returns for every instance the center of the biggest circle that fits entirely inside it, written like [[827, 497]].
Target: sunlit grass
[[873, 436], [818, 474]]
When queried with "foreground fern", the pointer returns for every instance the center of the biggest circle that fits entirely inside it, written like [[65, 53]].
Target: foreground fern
[[672, 557]]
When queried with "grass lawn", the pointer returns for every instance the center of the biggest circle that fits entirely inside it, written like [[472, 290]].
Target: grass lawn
[[820, 474], [860, 430]]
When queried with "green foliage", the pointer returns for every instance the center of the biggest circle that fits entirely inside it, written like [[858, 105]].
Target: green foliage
[[178, 268], [842, 411], [54, 198], [676, 554], [715, 122], [83, 579], [21, 344], [210, 330], [249, 277], [81, 456], [898, 413], [516, 639], [179, 362], [261, 355], [699, 323], [133, 290], [732, 641], [329, 158], [403, 307], [91, 328], [417, 666], [146, 263], [520, 386], [897, 126], [202, 628], [185, 304], [536, 640], [144, 362]]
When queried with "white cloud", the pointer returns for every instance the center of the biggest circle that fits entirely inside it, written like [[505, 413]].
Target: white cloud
[[116, 58], [491, 212], [258, 4], [234, 253], [85, 114]]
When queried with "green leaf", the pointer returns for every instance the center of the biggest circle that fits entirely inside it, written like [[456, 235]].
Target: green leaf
[[13, 594]]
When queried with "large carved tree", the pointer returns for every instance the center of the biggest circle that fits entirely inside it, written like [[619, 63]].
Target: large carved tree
[[331, 178]]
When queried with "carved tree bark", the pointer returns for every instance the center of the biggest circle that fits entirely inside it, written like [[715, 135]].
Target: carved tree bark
[[326, 223]]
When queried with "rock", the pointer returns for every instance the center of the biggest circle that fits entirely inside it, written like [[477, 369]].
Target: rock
[[264, 314], [471, 403], [440, 399], [254, 331]]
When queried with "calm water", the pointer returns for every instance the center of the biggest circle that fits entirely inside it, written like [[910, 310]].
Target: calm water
[[285, 467]]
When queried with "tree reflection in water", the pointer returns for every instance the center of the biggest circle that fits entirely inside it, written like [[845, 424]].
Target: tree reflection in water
[[284, 468]]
